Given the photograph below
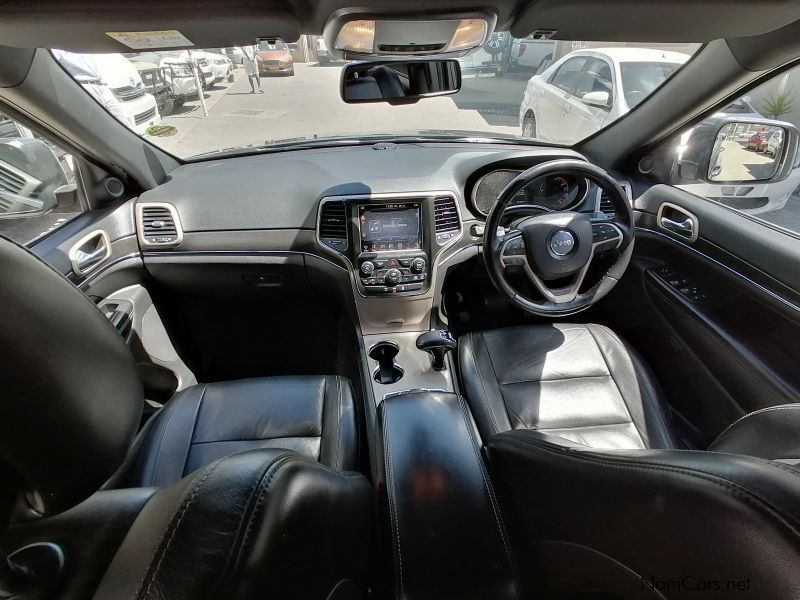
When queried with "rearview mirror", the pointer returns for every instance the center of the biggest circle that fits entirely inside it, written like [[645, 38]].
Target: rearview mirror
[[399, 82], [730, 150], [598, 99]]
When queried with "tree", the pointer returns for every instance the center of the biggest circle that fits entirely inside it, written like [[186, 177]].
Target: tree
[[777, 105]]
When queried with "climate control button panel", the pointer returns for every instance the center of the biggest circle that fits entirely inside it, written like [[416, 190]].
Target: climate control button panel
[[388, 274]]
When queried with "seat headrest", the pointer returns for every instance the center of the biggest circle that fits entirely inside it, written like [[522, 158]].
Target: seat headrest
[[71, 399]]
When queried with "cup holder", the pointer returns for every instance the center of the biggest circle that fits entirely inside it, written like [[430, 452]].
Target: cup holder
[[388, 371]]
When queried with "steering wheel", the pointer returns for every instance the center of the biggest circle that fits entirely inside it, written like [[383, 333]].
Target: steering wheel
[[556, 249]]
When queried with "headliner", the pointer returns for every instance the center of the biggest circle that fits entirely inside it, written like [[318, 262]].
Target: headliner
[[80, 25]]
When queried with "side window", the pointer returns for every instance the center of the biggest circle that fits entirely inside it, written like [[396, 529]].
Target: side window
[[597, 78], [37, 184], [567, 75], [745, 156]]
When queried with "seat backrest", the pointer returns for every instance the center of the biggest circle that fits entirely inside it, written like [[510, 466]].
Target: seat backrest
[[72, 400], [646, 523]]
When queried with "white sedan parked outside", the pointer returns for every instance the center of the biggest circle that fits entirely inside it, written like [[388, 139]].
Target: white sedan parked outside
[[587, 89]]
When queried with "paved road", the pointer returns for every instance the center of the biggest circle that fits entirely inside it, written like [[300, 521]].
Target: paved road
[[308, 104]]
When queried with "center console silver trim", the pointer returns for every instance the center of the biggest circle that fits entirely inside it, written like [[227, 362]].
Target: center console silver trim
[[388, 198]]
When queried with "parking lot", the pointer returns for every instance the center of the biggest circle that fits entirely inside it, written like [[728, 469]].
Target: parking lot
[[308, 104]]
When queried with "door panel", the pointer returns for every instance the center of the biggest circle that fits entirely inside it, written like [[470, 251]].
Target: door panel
[[720, 329], [114, 279]]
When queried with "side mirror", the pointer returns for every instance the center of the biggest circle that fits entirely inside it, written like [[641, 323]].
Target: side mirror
[[598, 99], [748, 152], [399, 82], [29, 176], [729, 150]]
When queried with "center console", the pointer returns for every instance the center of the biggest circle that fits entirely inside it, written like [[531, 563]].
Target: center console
[[390, 241], [392, 259]]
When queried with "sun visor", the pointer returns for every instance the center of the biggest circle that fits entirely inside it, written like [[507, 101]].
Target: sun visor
[[649, 21], [70, 28]]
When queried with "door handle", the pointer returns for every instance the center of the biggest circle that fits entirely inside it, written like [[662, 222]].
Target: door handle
[[90, 252], [677, 220], [682, 227]]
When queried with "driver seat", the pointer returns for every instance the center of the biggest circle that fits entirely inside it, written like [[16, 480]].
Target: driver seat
[[578, 382]]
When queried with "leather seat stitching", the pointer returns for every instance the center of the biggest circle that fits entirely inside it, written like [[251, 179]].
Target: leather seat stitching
[[734, 488], [653, 397], [337, 462], [265, 439], [644, 382], [194, 426], [393, 512], [172, 528], [498, 517], [756, 412], [483, 383], [606, 376], [254, 504], [621, 395], [570, 427], [469, 350], [162, 433]]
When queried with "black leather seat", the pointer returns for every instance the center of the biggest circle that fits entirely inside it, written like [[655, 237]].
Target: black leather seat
[[256, 516], [312, 415], [579, 382], [597, 502]]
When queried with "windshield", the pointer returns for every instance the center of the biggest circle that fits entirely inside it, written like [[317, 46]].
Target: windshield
[[640, 79], [272, 94]]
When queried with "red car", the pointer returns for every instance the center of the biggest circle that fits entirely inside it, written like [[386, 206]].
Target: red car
[[274, 57], [757, 142]]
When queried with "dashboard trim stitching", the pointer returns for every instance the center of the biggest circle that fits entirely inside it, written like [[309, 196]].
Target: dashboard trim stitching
[[188, 253]]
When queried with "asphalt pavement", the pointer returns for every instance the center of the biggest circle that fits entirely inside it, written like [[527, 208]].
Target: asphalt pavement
[[308, 104]]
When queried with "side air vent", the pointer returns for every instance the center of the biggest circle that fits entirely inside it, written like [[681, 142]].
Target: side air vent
[[605, 205], [446, 218], [158, 225], [333, 225]]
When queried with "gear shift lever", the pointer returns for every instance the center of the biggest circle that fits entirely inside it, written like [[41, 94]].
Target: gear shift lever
[[437, 343]]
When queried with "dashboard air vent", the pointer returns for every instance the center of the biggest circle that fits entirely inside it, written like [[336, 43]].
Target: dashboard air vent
[[446, 218], [605, 205], [159, 224], [333, 225], [605, 202]]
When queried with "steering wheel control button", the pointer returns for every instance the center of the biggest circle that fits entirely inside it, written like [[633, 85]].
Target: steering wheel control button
[[605, 237], [418, 265], [603, 232], [515, 248], [562, 242], [367, 267], [393, 276]]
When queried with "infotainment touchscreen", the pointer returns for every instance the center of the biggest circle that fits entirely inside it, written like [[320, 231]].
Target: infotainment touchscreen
[[390, 227]]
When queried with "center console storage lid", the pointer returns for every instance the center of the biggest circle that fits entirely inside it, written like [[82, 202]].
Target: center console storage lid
[[445, 527]]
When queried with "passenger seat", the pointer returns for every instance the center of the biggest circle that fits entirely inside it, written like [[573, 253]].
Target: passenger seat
[[312, 415]]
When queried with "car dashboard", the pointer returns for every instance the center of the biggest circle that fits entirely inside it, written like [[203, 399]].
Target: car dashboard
[[386, 221]]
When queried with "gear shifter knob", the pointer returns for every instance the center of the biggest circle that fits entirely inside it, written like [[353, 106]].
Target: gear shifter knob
[[437, 343]]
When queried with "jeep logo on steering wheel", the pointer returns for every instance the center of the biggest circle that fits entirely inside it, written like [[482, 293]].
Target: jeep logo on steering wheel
[[562, 242]]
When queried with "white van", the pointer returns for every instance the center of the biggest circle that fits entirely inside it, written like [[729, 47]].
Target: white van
[[103, 73]]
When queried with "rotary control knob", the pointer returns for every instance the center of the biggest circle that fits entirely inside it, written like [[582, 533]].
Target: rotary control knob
[[393, 276], [418, 265], [367, 267]]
